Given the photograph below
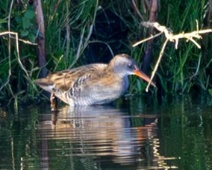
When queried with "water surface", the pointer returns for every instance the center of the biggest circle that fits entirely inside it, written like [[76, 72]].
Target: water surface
[[137, 134]]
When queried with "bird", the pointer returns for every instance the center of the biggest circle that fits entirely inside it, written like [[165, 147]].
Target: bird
[[92, 84]]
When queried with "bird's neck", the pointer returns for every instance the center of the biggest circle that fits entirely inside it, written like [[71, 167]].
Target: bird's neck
[[115, 71], [125, 83]]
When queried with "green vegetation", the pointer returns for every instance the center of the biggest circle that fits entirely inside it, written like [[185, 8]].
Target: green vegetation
[[69, 34]]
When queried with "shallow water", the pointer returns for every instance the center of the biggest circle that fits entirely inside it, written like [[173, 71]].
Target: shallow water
[[136, 134]]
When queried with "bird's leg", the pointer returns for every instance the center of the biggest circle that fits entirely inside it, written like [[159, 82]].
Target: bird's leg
[[53, 102], [54, 118]]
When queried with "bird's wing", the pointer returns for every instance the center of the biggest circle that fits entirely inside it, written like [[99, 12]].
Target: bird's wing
[[71, 79]]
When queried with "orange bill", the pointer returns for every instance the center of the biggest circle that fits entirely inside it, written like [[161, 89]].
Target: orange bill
[[143, 76]]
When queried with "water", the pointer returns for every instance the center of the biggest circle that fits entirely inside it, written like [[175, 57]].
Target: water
[[136, 134]]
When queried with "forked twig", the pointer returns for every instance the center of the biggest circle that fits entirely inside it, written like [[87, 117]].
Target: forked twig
[[13, 35], [18, 54], [191, 36]]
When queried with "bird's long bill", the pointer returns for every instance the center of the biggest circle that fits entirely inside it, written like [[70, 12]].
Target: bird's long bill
[[143, 76]]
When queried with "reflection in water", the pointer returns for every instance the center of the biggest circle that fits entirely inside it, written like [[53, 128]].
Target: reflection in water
[[98, 135], [107, 138]]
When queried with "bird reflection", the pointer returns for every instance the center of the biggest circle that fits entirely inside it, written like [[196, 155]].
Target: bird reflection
[[101, 131]]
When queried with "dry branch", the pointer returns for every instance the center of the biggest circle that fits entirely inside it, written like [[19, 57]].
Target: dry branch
[[191, 36], [18, 55]]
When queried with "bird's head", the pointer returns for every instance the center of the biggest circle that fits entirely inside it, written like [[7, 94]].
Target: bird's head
[[124, 65]]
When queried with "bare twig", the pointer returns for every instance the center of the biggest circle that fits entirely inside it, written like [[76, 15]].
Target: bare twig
[[15, 34], [9, 49], [21, 40], [191, 36], [175, 38], [157, 64], [147, 39]]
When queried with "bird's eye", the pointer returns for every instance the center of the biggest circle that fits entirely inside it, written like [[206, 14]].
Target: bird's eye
[[130, 65]]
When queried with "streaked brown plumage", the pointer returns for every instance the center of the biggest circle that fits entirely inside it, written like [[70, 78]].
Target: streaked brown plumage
[[93, 83]]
